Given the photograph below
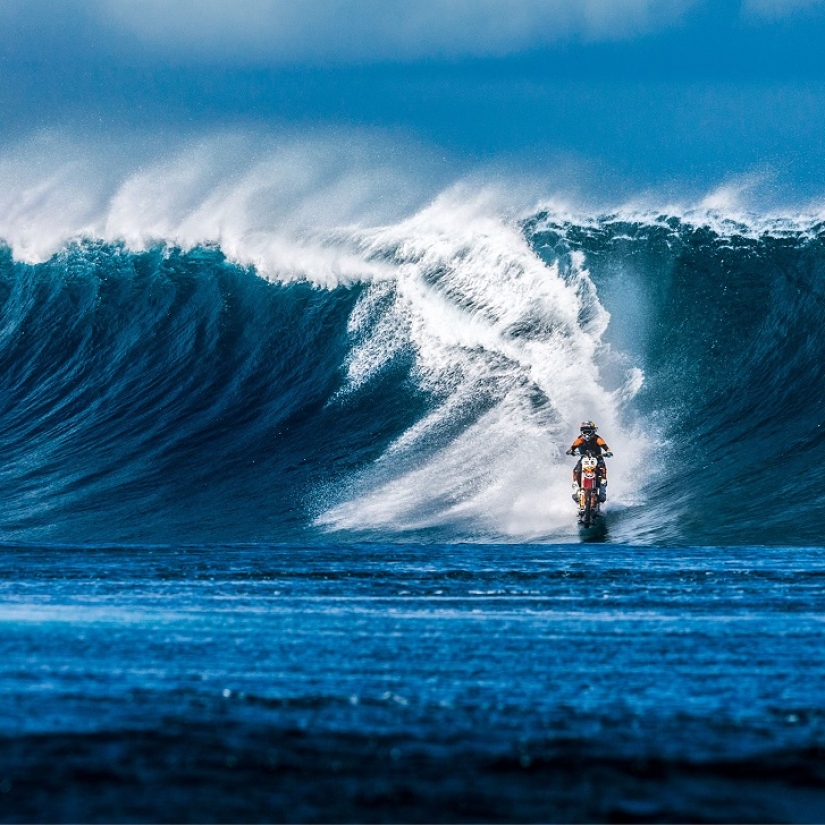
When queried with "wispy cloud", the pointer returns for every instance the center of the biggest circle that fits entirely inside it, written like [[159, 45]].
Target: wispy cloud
[[301, 32], [774, 9], [284, 31]]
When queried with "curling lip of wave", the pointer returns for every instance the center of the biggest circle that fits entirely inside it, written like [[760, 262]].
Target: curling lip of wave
[[286, 204], [278, 203]]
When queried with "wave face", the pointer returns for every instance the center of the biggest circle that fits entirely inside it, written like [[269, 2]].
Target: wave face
[[725, 318], [418, 380]]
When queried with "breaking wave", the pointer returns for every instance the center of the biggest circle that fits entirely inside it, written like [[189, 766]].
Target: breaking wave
[[233, 346]]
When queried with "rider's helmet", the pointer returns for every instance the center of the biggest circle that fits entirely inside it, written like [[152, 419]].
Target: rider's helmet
[[588, 429]]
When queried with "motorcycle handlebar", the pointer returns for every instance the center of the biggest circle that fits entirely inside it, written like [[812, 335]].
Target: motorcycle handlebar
[[577, 451]]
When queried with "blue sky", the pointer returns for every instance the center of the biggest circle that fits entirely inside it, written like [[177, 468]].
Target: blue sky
[[640, 92]]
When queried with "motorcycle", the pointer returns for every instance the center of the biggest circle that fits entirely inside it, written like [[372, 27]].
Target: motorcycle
[[591, 493]]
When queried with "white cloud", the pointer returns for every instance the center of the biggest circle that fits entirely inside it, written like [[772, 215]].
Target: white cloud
[[283, 31]]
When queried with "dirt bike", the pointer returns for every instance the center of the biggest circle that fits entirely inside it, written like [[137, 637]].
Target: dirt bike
[[590, 494]]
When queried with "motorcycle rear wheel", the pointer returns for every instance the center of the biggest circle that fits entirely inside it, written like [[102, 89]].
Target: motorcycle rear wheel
[[589, 510]]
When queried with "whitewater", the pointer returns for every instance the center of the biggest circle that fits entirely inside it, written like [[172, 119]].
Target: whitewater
[[286, 505]]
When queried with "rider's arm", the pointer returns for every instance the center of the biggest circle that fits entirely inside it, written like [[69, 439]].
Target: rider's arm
[[576, 444]]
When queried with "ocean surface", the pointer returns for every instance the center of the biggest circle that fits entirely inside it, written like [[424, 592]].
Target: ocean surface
[[412, 683], [286, 521]]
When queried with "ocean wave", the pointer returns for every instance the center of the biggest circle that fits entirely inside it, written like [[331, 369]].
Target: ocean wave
[[231, 346]]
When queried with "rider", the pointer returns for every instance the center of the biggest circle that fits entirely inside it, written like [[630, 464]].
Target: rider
[[588, 441]]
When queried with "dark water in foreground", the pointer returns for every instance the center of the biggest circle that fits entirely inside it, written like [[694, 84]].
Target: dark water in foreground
[[411, 683]]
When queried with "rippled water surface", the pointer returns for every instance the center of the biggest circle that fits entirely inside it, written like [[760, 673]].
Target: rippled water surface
[[450, 682]]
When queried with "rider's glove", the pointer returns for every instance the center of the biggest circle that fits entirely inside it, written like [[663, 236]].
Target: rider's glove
[[608, 454], [569, 452]]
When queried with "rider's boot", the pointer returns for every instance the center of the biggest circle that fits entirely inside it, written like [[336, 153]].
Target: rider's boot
[[575, 492], [603, 491]]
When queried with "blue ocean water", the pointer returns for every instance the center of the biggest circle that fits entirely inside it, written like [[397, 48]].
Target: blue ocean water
[[287, 532], [401, 682]]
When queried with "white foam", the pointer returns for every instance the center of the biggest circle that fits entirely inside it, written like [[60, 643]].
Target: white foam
[[492, 325], [731, 208]]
